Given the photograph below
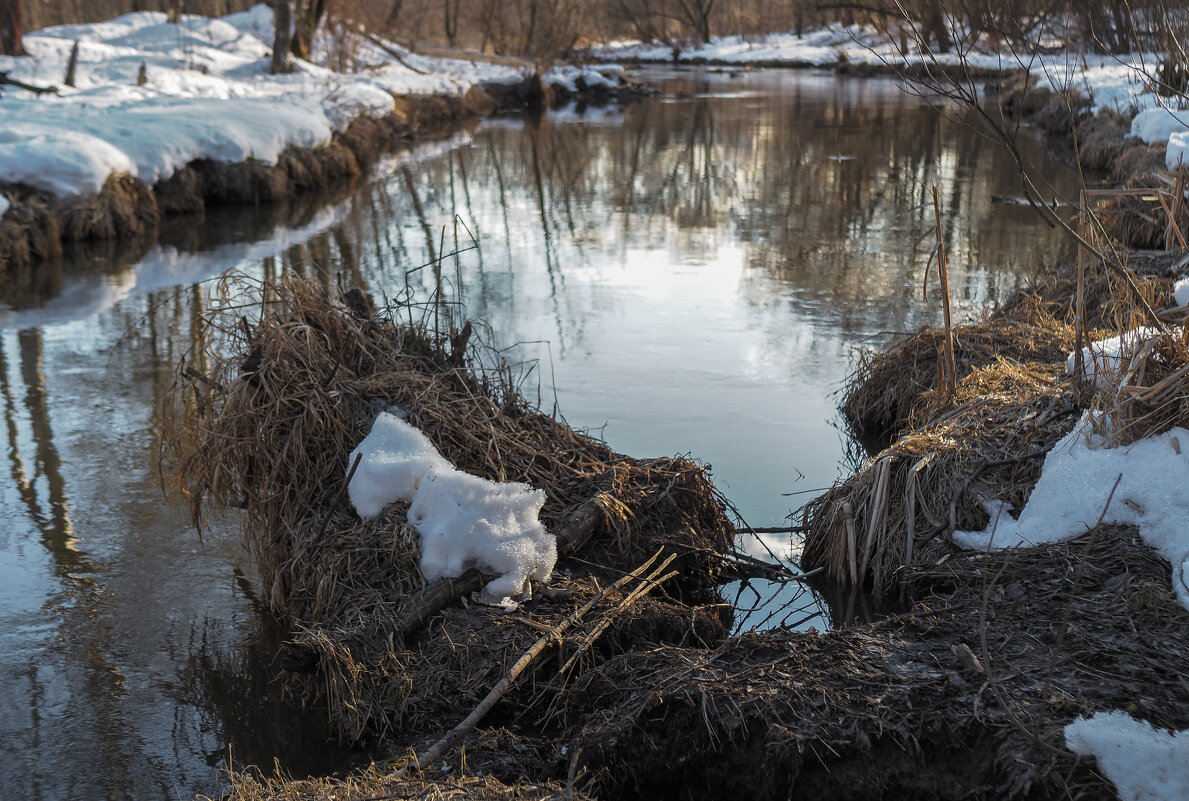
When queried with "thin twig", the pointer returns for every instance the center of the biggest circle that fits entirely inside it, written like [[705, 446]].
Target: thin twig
[[439, 748], [338, 497]]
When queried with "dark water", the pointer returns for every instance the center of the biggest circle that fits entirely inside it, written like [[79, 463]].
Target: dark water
[[688, 274]]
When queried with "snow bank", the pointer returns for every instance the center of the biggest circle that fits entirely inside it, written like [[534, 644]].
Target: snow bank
[[464, 521], [1075, 483], [4, 205], [1143, 762], [208, 95], [1158, 125]]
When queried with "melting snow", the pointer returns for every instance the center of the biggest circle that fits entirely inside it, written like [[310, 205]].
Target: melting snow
[[1143, 762], [208, 95], [464, 520]]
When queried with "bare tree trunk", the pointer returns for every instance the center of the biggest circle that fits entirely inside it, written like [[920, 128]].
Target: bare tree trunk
[[394, 15], [280, 43], [452, 22], [12, 28], [307, 18]]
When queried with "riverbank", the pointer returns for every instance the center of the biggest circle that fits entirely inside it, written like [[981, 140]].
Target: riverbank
[[147, 119], [631, 684]]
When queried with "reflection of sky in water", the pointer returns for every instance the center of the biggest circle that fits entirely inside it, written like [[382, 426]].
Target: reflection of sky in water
[[684, 276]]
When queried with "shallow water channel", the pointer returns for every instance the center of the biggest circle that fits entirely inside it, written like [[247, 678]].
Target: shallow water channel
[[687, 274]]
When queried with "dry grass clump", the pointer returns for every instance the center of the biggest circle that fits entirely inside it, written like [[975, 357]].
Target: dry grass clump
[[1110, 305], [29, 232], [372, 785], [885, 390], [124, 208], [1135, 220], [263, 420], [1100, 139], [983, 443], [1149, 393], [1136, 158], [1062, 111]]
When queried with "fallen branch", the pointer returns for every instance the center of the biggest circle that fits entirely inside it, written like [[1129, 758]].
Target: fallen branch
[[396, 54], [439, 748], [37, 90]]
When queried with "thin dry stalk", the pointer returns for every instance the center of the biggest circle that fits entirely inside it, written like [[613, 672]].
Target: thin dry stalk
[[949, 375]]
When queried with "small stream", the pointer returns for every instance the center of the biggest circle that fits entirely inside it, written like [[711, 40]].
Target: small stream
[[686, 274]]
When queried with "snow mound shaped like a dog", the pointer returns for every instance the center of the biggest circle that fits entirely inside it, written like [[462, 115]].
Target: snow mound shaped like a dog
[[464, 520]]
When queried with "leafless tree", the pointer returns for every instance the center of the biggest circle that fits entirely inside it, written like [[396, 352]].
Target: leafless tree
[[307, 17], [280, 47], [12, 26], [696, 14]]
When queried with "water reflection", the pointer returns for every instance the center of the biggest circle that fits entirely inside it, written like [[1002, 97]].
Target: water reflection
[[120, 630], [684, 275]]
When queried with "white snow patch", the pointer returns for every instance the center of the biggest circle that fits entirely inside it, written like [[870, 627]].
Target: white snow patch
[[395, 457], [208, 95], [1075, 483], [4, 205], [468, 521], [1180, 292], [1143, 762], [464, 520], [1103, 358]]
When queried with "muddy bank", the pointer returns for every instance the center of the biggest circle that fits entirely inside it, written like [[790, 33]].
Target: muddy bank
[[963, 696]]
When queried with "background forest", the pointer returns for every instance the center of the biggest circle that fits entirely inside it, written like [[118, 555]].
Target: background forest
[[555, 28]]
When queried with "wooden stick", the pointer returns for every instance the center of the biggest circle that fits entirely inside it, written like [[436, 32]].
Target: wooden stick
[[852, 561], [338, 496], [644, 587], [439, 748], [380, 43]]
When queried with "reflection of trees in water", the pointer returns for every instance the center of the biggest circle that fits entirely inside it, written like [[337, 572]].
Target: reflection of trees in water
[[825, 185], [36, 470], [235, 689]]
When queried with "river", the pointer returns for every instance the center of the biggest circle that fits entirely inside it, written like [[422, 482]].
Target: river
[[685, 274]]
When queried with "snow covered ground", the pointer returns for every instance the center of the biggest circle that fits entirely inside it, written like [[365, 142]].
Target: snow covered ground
[[1145, 484], [207, 95]]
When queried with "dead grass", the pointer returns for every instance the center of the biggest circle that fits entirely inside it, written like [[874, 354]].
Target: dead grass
[[373, 785], [1134, 222], [1100, 139], [985, 442], [882, 396], [963, 696], [1149, 393], [263, 419]]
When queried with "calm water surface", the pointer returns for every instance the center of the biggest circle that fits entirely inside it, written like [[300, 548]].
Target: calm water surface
[[686, 275]]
